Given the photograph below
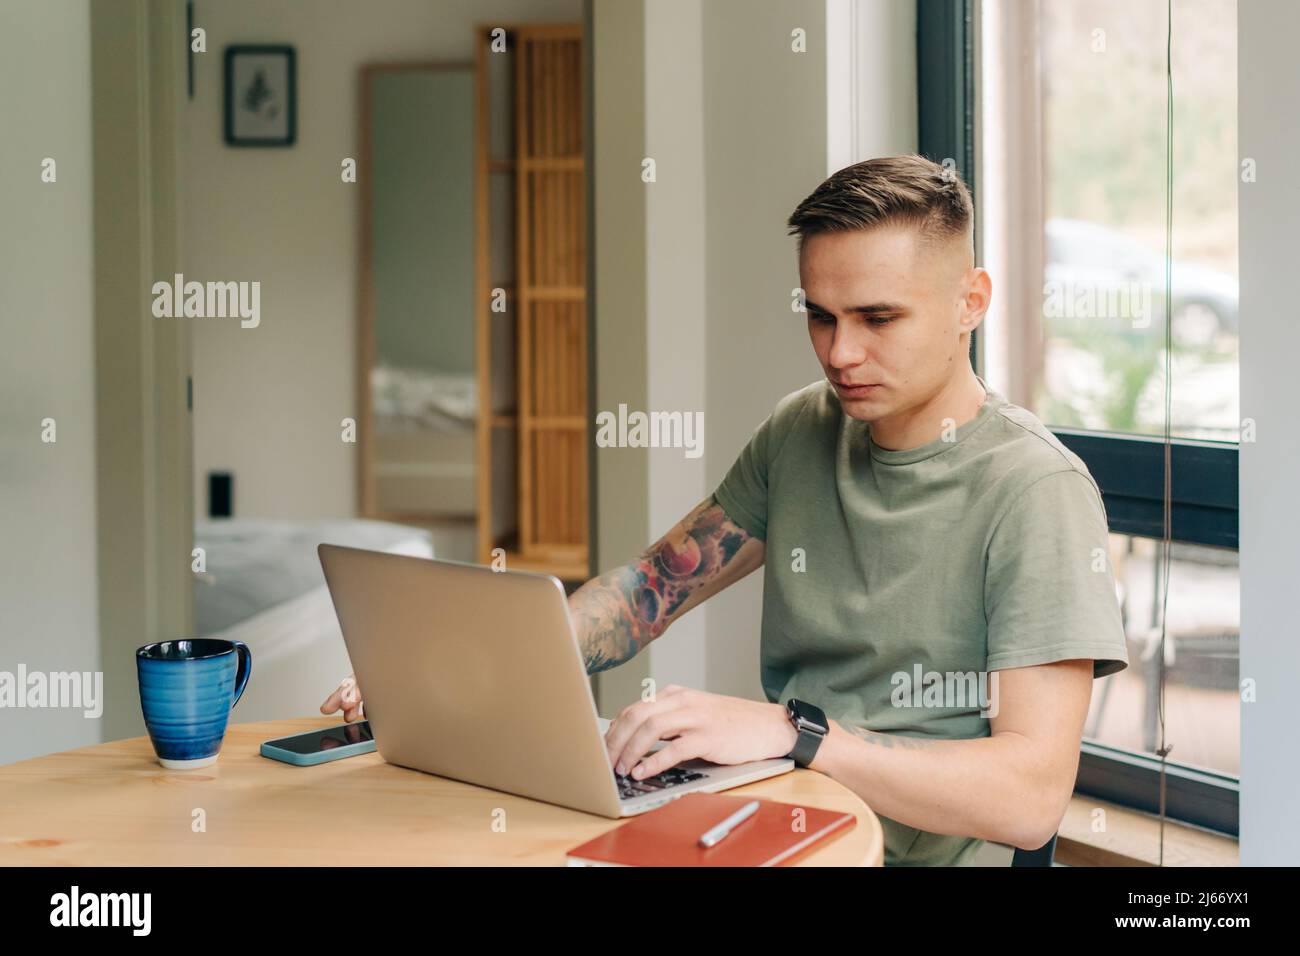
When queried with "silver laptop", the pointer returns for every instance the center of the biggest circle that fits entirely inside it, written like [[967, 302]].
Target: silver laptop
[[476, 675]]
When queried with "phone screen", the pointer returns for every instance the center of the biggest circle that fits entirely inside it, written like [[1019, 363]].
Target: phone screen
[[329, 739]]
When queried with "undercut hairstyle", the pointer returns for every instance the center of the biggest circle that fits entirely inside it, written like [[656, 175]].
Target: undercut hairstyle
[[892, 190]]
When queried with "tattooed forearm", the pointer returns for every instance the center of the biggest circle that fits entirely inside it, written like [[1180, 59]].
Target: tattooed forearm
[[622, 611], [608, 626]]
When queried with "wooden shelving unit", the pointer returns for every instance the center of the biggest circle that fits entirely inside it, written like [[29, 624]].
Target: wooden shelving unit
[[533, 470]]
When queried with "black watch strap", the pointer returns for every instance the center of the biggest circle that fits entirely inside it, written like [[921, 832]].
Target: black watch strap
[[810, 722]]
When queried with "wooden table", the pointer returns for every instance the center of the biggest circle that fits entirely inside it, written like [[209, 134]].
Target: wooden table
[[114, 805]]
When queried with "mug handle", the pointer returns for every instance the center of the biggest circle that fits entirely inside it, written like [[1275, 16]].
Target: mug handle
[[244, 671]]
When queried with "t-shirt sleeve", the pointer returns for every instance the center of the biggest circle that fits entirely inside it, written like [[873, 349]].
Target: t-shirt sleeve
[[743, 490], [1049, 593]]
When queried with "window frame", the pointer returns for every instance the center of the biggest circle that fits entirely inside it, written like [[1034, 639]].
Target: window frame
[[1129, 469]]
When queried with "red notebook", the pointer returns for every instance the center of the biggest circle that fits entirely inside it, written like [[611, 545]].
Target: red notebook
[[668, 836]]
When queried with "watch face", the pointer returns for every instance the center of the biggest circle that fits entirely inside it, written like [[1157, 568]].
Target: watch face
[[807, 715]]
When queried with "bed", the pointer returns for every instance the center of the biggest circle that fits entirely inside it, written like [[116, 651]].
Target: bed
[[425, 458], [263, 585]]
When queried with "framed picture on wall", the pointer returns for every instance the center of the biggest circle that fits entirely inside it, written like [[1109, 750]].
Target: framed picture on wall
[[261, 97]]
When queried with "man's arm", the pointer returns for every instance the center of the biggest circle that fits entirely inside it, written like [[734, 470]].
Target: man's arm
[[620, 612], [1011, 787]]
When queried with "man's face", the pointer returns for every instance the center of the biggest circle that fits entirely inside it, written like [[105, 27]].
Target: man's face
[[885, 313]]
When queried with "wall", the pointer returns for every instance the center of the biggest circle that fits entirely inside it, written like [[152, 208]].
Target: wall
[[1269, 208], [268, 401], [142, 447], [48, 565], [619, 286]]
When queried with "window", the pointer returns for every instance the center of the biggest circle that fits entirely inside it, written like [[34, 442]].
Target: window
[[1202, 702], [1102, 69], [1055, 114]]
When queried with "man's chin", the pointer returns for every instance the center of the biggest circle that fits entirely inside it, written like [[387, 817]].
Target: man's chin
[[867, 407], [863, 409]]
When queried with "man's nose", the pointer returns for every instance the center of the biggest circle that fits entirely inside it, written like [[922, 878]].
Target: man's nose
[[847, 346]]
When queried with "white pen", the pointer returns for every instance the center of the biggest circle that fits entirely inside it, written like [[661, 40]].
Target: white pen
[[714, 836]]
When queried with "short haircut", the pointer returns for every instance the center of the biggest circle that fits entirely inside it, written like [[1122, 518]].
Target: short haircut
[[891, 190]]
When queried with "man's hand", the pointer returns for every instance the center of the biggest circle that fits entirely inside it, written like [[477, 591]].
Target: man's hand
[[347, 698], [725, 730]]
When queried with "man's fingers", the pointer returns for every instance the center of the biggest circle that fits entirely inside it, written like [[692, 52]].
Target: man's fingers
[[657, 727], [346, 696], [670, 755], [622, 727]]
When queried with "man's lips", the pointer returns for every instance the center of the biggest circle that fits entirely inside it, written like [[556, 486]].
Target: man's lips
[[863, 391], [855, 386]]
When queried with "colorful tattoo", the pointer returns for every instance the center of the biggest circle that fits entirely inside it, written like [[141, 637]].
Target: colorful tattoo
[[622, 611]]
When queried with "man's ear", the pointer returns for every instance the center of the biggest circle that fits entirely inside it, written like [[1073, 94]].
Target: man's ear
[[976, 296]]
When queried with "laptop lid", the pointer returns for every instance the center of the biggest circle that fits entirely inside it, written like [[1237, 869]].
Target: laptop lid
[[472, 674]]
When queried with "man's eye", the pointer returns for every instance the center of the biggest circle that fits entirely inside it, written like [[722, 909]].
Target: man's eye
[[827, 319]]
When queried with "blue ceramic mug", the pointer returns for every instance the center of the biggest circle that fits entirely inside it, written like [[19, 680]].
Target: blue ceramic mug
[[187, 688]]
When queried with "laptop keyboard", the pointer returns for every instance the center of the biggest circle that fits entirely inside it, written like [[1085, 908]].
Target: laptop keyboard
[[672, 777]]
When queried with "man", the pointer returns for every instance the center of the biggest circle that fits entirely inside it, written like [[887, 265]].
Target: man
[[935, 560]]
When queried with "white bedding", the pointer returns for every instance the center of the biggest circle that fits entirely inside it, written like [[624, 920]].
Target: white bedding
[[425, 441], [409, 398], [264, 586]]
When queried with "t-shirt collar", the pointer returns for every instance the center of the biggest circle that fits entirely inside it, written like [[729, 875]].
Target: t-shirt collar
[[906, 456]]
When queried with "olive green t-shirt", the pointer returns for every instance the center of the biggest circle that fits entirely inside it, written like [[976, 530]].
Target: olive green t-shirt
[[896, 580]]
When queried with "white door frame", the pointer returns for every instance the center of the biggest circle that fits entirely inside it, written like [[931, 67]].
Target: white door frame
[[143, 444]]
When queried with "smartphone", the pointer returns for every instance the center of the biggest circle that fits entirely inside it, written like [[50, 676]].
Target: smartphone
[[318, 746]]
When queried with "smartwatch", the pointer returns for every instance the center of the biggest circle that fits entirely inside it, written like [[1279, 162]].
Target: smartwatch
[[810, 721]]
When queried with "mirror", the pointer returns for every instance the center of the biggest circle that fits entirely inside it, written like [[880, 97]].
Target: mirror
[[417, 377]]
